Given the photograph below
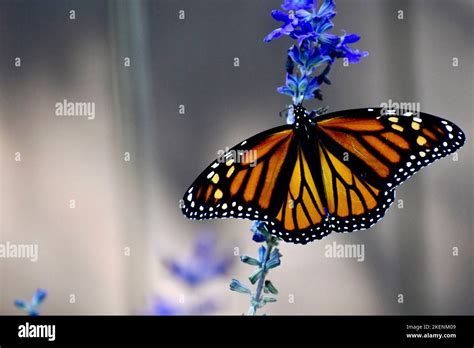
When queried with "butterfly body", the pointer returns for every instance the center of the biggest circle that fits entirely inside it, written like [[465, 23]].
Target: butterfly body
[[335, 172]]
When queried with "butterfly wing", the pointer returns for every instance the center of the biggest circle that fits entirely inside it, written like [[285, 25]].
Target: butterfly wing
[[387, 149], [364, 155], [266, 178], [339, 176], [245, 182]]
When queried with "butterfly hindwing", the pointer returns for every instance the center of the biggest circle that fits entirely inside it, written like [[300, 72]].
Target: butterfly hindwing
[[352, 203], [302, 216]]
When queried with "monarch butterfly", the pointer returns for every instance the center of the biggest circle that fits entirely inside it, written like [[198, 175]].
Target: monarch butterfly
[[335, 172]]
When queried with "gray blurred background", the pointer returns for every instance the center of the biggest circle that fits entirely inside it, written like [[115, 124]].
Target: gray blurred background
[[190, 62]]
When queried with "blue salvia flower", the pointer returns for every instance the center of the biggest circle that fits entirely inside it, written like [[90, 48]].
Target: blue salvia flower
[[261, 254], [268, 258], [340, 49], [303, 22], [310, 25], [327, 9], [274, 259], [308, 58], [293, 5], [237, 286], [256, 228], [290, 23], [32, 308], [299, 87]]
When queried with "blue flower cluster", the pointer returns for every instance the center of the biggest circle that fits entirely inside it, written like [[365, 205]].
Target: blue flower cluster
[[256, 229], [205, 263], [310, 60], [32, 308]]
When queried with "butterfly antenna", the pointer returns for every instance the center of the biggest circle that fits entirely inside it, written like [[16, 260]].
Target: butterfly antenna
[[322, 110], [284, 112]]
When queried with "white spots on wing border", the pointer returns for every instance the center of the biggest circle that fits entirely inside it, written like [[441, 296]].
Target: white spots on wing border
[[426, 156]]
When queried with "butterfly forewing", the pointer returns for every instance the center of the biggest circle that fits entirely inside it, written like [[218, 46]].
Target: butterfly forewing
[[247, 181], [387, 149]]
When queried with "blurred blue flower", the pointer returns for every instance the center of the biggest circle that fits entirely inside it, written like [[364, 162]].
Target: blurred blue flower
[[203, 265], [164, 307], [204, 307], [32, 308]]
